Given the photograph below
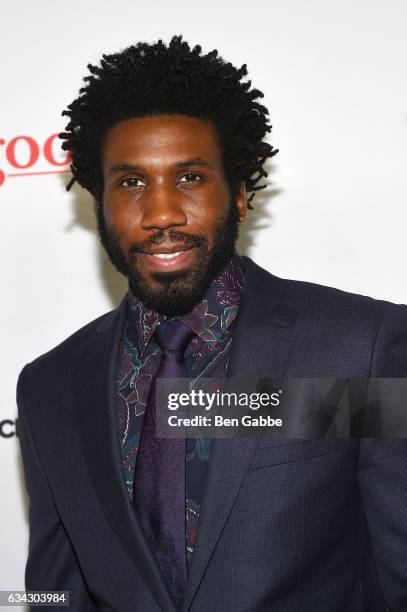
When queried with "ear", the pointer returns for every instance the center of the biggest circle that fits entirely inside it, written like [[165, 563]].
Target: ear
[[241, 202]]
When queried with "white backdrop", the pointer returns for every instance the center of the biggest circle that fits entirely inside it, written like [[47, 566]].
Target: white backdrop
[[333, 74]]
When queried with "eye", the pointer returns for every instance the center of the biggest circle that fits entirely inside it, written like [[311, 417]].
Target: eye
[[191, 177], [131, 182]]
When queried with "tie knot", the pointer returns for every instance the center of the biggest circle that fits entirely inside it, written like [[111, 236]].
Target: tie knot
[[173, 336]]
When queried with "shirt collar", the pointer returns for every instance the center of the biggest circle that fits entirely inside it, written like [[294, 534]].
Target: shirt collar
[[210, 318]]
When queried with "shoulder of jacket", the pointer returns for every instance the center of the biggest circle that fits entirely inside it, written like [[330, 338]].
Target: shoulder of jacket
[[64, 349], [304, 291], [319, 302]]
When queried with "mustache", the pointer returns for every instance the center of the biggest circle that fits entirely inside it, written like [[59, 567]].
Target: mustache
[[191, 240]]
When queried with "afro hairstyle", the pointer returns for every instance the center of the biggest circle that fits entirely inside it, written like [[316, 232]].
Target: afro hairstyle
[[155, 79]]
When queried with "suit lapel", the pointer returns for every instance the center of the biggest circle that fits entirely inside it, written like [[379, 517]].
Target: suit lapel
[[262, 343], [94, 388]]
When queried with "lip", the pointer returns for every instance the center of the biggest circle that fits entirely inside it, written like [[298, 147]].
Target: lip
[[172, 248], [173, 263]]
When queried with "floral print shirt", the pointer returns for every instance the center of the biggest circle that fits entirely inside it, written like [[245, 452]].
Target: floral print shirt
[[206, 356]]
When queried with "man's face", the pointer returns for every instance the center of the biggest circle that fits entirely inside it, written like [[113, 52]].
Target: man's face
[[167, 220]]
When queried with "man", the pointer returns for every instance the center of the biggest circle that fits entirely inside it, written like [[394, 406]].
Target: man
[[170, 142]]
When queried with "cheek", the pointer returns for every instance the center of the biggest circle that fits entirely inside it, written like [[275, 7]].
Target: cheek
[[120, 216], [208, 210], [203, 220]]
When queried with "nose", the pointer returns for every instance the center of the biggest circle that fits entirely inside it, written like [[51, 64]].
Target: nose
[[162, 209]]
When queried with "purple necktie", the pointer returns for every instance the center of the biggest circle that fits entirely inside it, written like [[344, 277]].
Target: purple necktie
[[159, 480]]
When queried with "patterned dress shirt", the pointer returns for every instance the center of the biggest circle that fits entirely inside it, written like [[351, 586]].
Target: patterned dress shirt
[[206, 356]]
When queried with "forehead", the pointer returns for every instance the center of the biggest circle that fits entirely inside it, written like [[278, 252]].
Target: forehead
[[166, 138]]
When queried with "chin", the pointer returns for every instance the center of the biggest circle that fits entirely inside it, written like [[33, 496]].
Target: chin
[[177, 292]]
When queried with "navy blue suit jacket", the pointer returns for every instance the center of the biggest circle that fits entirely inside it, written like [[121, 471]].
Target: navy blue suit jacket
[[286, 525]]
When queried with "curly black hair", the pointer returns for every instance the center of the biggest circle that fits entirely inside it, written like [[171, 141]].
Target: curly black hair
[[154, 79]]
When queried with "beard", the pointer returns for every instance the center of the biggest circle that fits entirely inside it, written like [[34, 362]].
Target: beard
[[178, 291]]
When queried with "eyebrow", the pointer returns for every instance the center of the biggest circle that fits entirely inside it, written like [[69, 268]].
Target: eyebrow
[[195, 161], [185, 163]]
